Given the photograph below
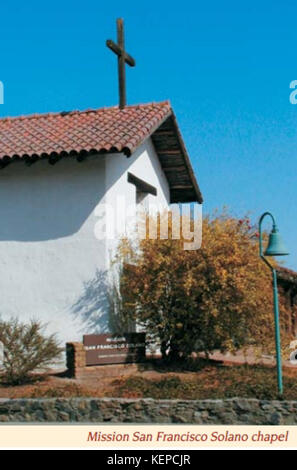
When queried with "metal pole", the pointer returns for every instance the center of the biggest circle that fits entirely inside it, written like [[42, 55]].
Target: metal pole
[[275, 308], [277, 334]]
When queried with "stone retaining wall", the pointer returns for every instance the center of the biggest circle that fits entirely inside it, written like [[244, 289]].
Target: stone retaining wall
[[113, 410]]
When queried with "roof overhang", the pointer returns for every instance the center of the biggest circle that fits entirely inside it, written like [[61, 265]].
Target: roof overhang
[[175, 162]]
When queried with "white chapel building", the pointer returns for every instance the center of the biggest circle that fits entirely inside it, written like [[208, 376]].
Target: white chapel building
[[58, 174]]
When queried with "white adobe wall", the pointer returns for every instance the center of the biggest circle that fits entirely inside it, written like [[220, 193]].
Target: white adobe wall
[[144, 164], [53, 267], [51, 263]]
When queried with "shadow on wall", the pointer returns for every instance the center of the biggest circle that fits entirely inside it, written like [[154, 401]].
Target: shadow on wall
[[92, 307], [99, 306], [47, 202]]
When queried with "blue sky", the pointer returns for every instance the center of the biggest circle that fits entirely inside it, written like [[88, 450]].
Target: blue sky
[[225, 66]]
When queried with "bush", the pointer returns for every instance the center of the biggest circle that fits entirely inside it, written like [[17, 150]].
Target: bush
[[25, 349], [215, 297], [213, 382]]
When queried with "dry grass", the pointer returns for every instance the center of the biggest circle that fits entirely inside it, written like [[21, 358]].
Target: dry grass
[[197, 380]]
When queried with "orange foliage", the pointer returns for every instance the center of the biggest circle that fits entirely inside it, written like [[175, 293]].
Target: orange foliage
[[216, 297]]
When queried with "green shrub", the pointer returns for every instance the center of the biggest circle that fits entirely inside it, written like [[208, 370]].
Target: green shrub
[[26, 349]]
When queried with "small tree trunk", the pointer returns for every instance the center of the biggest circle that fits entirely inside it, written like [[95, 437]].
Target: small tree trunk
[[173, 353], [164, 349]]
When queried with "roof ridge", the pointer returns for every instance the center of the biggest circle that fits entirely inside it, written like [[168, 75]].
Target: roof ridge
[[84, 111]]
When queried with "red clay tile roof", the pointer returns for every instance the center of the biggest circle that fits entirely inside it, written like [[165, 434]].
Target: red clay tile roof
[[104, 130]]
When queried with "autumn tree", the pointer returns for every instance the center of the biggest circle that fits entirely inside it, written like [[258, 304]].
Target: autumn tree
[[215, 297]]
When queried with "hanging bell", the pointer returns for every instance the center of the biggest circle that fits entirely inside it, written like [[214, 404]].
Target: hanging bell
[[275, 246]]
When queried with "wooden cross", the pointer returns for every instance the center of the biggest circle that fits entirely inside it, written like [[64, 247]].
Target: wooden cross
[[123, 58]]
